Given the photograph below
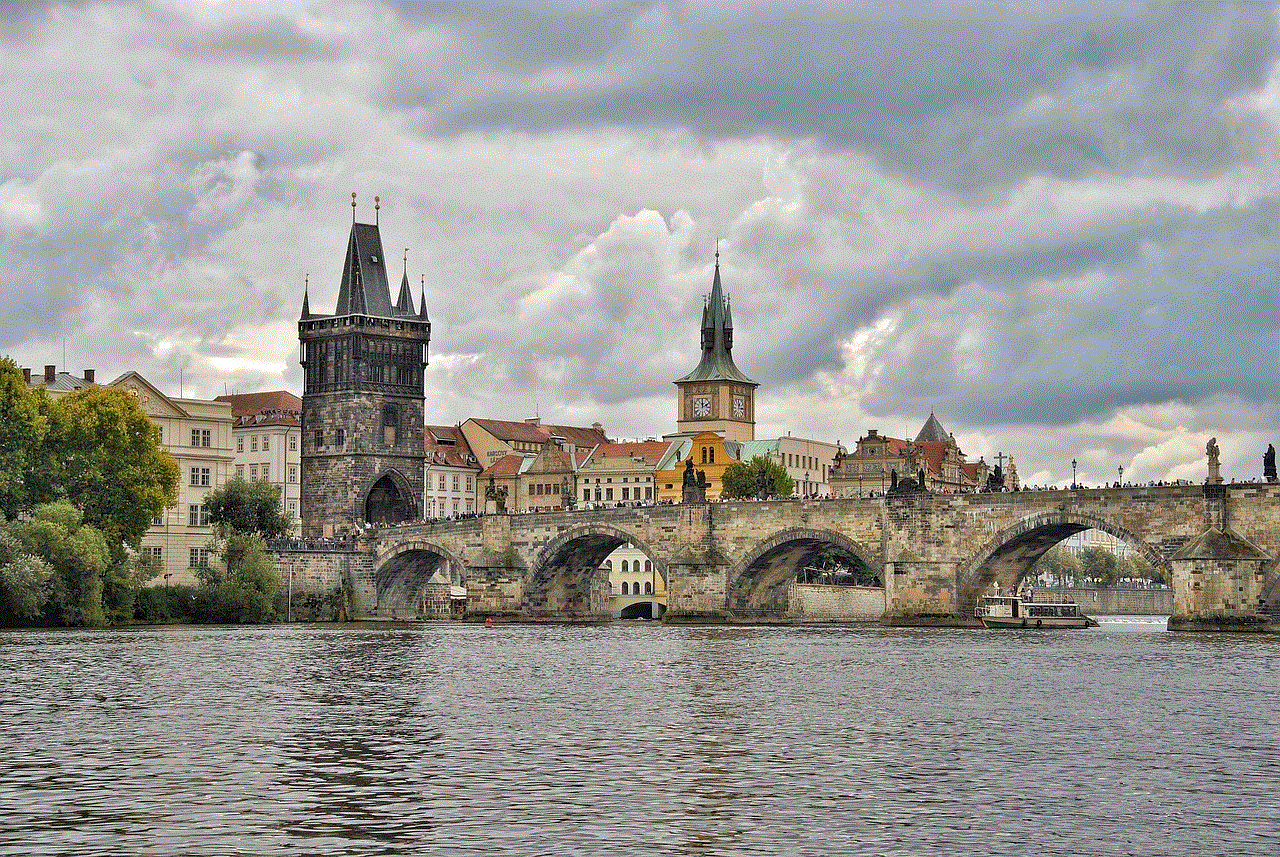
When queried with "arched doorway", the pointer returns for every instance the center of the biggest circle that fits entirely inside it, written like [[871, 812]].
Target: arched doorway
[[390, 501]]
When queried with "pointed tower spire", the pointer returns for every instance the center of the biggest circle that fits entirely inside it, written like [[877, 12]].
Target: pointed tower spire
[[422, 314], [404, 303], [717, 338], [306, 304]]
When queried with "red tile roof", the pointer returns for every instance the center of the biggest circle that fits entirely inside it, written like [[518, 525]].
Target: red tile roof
[[649, 450], [510, 431], [278, 407], [507, 465], [446, 445]]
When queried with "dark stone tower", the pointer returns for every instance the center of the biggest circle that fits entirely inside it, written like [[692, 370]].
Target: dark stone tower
[[362, 397]]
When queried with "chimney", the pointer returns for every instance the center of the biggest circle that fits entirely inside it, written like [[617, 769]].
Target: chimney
[[88, 376], [50, 372], [533, 421]]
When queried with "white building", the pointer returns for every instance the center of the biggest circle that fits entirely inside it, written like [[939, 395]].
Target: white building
[[450, 473], [267, 429]]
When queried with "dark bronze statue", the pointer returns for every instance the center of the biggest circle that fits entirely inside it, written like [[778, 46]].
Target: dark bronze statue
[[1269, 464]]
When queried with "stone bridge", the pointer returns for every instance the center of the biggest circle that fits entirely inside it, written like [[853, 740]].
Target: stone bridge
[[935, 553]]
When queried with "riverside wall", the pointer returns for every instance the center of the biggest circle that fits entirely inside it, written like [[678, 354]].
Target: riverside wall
[[1106, 601]]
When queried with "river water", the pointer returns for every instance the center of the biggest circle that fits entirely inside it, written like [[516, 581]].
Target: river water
[[639, 738]]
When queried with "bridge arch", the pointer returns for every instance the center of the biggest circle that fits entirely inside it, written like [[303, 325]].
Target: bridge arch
[[1009, 555], [754, 582], [566, 579], [402, 574]]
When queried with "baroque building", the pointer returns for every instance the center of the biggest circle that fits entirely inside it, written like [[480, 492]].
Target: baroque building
[[267, 429], [871, 467], [362, 397], [716, 396]]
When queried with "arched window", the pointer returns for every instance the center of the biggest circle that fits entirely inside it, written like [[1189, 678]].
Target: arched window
[[624, 588], [626, 566], [648, 567], [648, 587]]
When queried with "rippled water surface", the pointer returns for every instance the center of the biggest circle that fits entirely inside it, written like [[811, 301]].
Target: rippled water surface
[[639, 739]]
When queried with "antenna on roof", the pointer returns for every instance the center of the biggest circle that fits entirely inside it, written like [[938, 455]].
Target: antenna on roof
[[353, 206], [376, 207]]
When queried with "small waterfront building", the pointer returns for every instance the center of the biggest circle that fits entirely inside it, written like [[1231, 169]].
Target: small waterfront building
[[450, 475]]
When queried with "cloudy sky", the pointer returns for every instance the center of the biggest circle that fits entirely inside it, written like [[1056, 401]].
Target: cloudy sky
[[1053, 225]]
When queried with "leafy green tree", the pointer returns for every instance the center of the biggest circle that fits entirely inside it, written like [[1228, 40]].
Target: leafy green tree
[[24, 582], [24, 422], [1100, 565], [245, 592], [251, 508], [79, 556], [1058, 564], [1136, 566], [742, 480], [109, 463]]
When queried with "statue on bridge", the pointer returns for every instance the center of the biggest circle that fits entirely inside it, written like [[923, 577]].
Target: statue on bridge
[[495, 498], [1269, 464], [906, 485], [1211, 449], [995, 480], [695, 485]]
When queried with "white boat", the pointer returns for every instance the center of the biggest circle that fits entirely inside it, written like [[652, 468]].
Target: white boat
[[1027, 611]]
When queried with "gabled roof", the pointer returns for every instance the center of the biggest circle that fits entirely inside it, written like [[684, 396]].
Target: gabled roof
[[649, 452], [447, 446], [511, 464], [132, 381], [932, 431], [509, 431]]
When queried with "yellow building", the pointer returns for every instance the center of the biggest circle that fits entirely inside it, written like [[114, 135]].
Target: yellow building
[[710, 454]]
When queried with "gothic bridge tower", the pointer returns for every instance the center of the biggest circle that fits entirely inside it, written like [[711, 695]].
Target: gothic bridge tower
[[362, 396], [716, 396]]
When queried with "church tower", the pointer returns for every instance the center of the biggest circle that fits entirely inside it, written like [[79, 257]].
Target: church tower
[[362, 396], [716, 396]]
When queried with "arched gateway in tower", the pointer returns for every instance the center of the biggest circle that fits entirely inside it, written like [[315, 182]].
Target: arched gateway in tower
[[362, 397]]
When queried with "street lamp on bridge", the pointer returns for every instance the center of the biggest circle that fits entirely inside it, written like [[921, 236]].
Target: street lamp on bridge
[[1073, 473], [1121, 474]]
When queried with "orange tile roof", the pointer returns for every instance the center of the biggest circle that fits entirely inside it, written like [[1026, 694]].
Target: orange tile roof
[[446, 445], [507, 465], [649, 450]]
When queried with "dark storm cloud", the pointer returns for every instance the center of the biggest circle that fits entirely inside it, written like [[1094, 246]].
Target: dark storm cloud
[[962, 95]]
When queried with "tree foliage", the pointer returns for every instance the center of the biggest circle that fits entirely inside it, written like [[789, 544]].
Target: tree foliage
[[109, 463], [24, 422], [78, 556], [1058, 564], [1100, 565], [742, 480], [24, 582], [242, 591], [250, 508]]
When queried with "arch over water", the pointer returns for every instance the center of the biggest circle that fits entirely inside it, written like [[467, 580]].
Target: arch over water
[[401, 577], [566, 578], [1010, 554], [757, 583]]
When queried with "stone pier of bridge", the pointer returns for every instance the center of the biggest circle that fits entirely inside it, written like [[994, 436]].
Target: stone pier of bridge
[[934, 554]]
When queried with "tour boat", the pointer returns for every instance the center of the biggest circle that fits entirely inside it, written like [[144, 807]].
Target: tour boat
[[1026, 611]]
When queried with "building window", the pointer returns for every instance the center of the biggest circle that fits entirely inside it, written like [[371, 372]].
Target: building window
[[608, 493], [199, 557], [201, 437], [266, 443], [152, 556], [292, 506], [319, 438], [253, 473], [239, 444], [455, 482], [648, 587], [197, 515], [293, 443], [441, 481], [624, 588], [253, 443], [239, 471], [340, 435], [468, 483], [293, 473]]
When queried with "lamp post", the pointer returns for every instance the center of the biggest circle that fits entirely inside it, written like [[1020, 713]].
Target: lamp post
[[806, 483], [1121, 474], [1073, 473]]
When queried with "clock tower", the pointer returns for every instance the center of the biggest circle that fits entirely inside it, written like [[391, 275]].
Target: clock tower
[[716, 396]]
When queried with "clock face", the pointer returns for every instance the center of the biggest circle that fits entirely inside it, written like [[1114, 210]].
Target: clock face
[[701, 406], [739, 407]]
